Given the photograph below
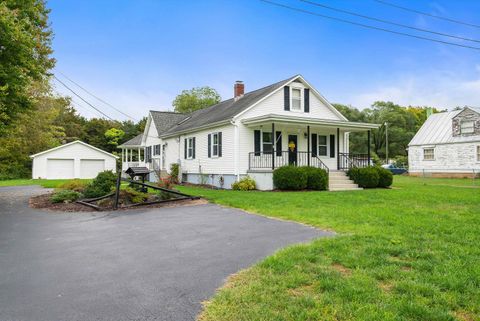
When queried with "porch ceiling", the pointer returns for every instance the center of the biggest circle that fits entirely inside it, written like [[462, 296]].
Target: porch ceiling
[[291, 120]]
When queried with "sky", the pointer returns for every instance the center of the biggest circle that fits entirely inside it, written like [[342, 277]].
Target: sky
[[138, 55]]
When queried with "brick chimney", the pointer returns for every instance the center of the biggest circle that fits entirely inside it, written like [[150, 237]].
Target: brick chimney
[[238, 89]]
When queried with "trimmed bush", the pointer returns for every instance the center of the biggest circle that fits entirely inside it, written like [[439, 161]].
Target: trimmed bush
[[290, 178], [317, 178], [245, 184], [131, 195], [385, 177], [366, 177], [65, 196], [174, 170], [101, 185], [74, 185]]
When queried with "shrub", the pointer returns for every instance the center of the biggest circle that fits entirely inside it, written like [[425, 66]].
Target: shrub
[[131, 195], [317, 178], [101, 185], [290, 178], [352, 173], [166, 182], [245, 184], [174, 170], [385, 177], [65, 196], [366, 177], [74, 185]]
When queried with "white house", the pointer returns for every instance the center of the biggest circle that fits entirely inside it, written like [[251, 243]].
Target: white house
[[73, 160], [447, 145], [253, 133]]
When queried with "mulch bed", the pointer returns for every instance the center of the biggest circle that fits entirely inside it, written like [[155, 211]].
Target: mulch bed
[[43, 202]]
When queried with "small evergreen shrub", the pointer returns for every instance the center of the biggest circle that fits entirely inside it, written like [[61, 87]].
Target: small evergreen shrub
[[245, 184], [74, 185], [385, 177], [317, 178], [101, 185], [65, 196], [174, 170], [131, 195], [290, 178], [366, 177]]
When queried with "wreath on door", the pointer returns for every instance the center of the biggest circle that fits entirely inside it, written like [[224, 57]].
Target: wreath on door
[[291, 146]]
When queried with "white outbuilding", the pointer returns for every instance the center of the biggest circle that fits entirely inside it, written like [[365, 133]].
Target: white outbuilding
[[73, 160]]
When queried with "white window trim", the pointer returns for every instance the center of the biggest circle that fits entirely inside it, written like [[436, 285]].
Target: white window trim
[[302, 107], [212, 155], [327, 145], [467, 121], [428, 160], [189, 147], [261, 140]]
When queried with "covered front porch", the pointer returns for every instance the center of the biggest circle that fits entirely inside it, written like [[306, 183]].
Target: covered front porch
[[300, 141]]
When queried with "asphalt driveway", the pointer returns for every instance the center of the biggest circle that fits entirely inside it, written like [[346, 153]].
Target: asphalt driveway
[[150, 264]]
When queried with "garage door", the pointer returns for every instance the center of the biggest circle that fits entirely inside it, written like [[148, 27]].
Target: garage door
[[60, 168], [89, 168]]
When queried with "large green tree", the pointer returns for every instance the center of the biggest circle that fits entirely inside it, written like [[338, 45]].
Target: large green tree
[[402, 122], [25, 49], [33, 131], [195, 99]]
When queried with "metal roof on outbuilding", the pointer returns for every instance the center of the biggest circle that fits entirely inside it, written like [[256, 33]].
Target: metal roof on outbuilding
[[437, 129]]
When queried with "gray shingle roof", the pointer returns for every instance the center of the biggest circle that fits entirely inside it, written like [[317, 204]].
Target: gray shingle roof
[[224, 110], [437, 129], [135, 141], [164, 120]]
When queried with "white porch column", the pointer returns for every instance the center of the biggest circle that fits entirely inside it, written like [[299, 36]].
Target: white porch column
[[139, 160], [131, 154]]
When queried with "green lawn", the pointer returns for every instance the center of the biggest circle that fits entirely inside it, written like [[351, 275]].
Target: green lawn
[[47, 183], [409, 253]]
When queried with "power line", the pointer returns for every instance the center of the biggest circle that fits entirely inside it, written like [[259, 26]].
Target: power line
[[98, 98], [388, 22], [428, 14], [89, 104], [368, 26]]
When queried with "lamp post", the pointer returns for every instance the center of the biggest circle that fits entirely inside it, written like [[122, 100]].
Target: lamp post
[[386, 142]]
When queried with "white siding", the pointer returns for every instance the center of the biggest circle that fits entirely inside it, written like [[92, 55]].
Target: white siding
[[75, 152], [202, 163], [275, 105], [448, 158]]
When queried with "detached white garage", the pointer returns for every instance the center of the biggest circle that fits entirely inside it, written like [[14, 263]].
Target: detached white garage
[[73, 160]]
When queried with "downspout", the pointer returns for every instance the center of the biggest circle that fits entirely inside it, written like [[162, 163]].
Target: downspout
[[236, 146]]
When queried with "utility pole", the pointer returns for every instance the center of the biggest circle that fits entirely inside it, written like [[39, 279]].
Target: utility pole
[[386, 142]]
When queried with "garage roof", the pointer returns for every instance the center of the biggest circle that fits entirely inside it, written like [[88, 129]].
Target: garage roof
[[74, 142]]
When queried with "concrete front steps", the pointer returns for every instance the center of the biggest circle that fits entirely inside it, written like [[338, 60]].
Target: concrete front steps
[[339, 181]]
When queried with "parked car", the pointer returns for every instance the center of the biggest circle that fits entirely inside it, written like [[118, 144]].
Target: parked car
[[394, 169]]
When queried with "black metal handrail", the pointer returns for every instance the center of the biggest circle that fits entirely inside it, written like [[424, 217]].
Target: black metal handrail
[[263, 160], [349, 160]]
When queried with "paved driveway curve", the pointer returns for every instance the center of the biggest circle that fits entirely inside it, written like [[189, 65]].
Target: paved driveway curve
[[147, 264]]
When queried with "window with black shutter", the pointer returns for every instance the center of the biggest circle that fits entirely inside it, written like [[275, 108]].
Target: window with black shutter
[[314, 145], [306, 103], [257, 142], [332, 146], [286, 98], [278, 145]]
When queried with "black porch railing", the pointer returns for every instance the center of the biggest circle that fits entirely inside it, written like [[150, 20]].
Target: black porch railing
[[349, 160], [269, 160]]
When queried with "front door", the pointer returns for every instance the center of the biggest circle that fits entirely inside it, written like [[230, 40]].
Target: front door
[[292, 149]]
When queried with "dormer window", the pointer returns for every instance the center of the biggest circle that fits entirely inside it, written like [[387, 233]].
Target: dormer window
[[467, 127], [296, 99]]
